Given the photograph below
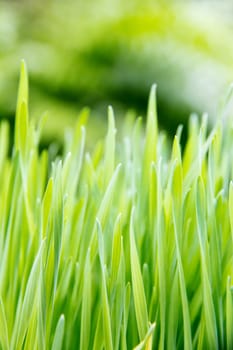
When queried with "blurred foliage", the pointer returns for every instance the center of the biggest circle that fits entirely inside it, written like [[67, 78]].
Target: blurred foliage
[[96, 53]]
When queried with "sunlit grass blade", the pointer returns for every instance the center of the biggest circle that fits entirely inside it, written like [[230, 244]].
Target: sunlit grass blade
[[46, 206], [4, 338], [41, 322], [92, 253], [137, 285], [59, 332], [4, 142], [159, 240], [127, 300], [231, 208], [110, 148], [147, 342], [152, 126], [116, 249], [208, 307], [229, 315], [103, 208], [98, 339], [86, 305], [29, 300], [150, 153], [174, 307], [184, 298], [104, 294], [21, 122]]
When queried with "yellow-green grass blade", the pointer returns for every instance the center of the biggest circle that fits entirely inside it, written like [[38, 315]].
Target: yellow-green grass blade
[[116, 249], [86, 305], [98, 339], [151, 129], [109, 161], [41, 319], [208, 306], [104, 294], [146, 344], [178, 238], [152, 195], [127, 299], [4, 142], [104, 209], [229, 314], [177, 183], [58, 219], [151, 137], [184, 298], [191, 145], [118, 299], [159, 241], [29, 301], [73, 164], [137, 285], [31, 340], [59, 332], [4, 337], [21, 122], [46, 207], [174, 308], [231, 208]]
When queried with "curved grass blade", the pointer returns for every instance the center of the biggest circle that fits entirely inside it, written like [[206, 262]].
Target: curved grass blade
[[147, 342], [103, 210]]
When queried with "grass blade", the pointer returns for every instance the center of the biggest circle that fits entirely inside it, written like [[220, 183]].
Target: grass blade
[[86, 305], [59, 332], [137, 284], [4, 339]]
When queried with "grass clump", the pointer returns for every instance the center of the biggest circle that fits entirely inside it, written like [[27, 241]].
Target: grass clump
[[128, 247]]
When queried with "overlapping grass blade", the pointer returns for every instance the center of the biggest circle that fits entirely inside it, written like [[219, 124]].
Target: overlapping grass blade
[[104, 294], [109, 161], [103, 209], [29, 301], [21, 122], [137, 285], [59, 332], [90, 252], [229, 315], [147, 342], [86, 305], [208, 307], [4, 338]]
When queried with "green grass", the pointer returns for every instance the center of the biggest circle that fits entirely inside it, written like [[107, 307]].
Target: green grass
[[127, 246]]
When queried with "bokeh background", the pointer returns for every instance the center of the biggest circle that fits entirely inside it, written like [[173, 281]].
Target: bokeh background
[[109, 52]]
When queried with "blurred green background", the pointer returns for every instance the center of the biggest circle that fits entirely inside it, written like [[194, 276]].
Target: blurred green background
[[96, 53]]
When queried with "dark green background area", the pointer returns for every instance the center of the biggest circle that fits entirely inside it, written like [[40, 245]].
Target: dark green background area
[[95, 54]]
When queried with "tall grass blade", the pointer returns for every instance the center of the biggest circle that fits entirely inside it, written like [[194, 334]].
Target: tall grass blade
[[137, 285]]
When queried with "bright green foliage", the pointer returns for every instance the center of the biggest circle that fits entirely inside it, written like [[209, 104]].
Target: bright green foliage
[[130, 246]]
